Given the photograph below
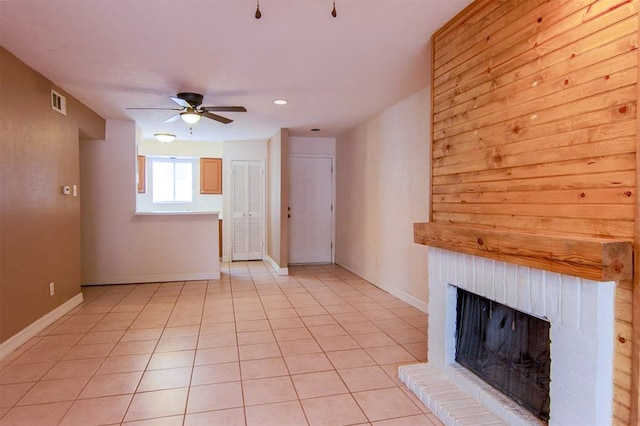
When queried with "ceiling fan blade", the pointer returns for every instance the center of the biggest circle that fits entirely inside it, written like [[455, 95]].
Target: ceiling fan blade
[[164, 109], [181, 102], [172, 118], [217, 117], [224, 108]]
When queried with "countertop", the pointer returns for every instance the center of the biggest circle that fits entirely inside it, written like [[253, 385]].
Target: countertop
[[177, 213]]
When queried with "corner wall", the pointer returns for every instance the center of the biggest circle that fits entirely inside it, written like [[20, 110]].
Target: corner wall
[[382, 182], [277, 201], [39, 226]]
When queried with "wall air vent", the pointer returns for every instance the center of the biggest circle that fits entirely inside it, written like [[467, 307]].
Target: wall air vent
[[58, 102]]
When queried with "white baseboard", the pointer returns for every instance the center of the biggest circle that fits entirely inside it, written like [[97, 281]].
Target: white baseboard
[[160, 278], [275, 266], [405, 297], [23, 336]]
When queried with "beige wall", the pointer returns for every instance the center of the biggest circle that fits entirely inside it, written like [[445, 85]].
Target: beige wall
[[382, 182], [39, 226], [277, 199], [120, 247]]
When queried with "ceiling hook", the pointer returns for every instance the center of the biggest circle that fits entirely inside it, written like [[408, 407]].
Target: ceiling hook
[[258, 14]]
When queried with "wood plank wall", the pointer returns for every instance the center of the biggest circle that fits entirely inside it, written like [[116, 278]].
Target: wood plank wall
[[535, 127]]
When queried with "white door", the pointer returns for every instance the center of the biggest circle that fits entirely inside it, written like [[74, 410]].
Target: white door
[[247, 205], [310, 210]]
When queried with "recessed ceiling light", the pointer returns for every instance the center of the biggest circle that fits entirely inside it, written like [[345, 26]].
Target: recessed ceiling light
[[280, 102], [315, 130]]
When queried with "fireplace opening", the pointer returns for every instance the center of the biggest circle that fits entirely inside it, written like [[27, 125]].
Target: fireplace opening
[[508, 349]]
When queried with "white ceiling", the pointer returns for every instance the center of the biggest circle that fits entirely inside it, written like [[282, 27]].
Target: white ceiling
[[335, 72]]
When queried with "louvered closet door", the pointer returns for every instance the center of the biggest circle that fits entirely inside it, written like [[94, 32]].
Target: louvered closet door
[[247, 210], [240, 250], [255, 193]]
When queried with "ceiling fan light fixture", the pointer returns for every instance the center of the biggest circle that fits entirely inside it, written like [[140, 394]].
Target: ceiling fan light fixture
[[280, 102], [190, 117], [165, 137]]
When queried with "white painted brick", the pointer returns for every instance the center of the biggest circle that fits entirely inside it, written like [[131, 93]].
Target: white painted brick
[[571, 408], [524, 290], [538, 302], [589, 308], [570, 304], [495, 401], [490, 284], [553, 295], [469, 385], [411, 368], [458, 261], [467, 279], [435, 263], [460, 403], [480, 273], [436, 355], [565, 417], [483, 420], [516, 417], [511, 280], [572, 390], [474, 411], [578, 342], [450, 272], [575, 350], [500, 289]]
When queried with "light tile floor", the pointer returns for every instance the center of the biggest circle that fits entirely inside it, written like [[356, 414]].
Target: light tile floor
[[318, 347]]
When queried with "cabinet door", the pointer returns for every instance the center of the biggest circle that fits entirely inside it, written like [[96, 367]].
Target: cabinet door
[[211, 175]]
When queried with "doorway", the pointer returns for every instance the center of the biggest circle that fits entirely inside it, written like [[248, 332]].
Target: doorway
[[310, 210]]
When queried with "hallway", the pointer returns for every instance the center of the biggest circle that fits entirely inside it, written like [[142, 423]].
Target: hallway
[[318, 347]]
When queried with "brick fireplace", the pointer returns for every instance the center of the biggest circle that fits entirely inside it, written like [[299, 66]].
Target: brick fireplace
[[581, 317]]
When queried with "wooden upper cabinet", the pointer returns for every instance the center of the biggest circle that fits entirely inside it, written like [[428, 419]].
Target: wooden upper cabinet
[[211, 175], [142, 182]]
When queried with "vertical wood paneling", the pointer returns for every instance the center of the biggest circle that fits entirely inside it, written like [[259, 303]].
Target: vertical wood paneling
[[535, 128], [635, 296]]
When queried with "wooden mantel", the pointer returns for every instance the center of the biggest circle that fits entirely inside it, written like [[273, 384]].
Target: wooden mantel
[[597, 259]]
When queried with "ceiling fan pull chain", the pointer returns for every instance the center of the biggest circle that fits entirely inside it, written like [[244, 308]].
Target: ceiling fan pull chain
[[333, 12]]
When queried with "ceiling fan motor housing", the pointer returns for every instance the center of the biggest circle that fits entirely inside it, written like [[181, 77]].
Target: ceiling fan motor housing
[[194, 99]]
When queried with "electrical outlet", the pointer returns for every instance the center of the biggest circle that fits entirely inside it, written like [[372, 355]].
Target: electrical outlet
[[52, 288]]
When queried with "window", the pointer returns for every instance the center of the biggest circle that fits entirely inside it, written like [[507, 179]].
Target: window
[[172, 180]]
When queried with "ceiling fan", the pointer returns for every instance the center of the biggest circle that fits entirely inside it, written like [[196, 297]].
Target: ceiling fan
[[192, 110]]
